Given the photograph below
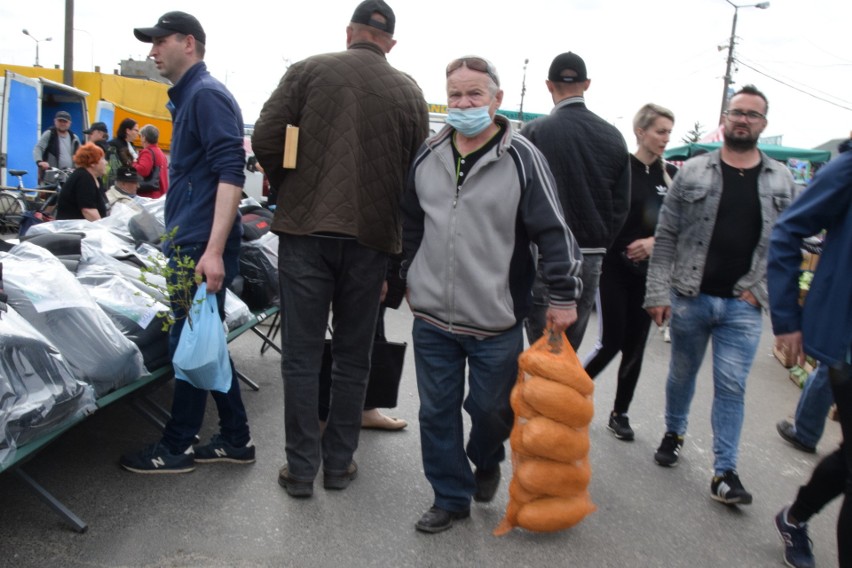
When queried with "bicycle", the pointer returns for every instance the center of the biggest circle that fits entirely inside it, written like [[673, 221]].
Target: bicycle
[[22, 207], [13, 204]]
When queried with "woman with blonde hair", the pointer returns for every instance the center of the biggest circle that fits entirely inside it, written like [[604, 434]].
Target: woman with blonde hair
[[623, 323], [81, 196]]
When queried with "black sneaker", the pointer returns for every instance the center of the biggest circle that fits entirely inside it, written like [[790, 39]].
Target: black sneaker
[[156, 458], [219, 450], [619, 425], [728, 489], [787, 430], [669, 450], [797, 545], [487, 482]]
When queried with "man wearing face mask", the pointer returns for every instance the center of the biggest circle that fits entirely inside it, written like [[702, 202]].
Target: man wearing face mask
[[477, 194]]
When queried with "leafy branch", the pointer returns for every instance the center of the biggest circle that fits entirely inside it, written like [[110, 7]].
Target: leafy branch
[[180, 280]]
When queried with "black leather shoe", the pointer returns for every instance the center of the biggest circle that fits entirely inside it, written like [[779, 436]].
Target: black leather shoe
[[340, 481], [487, 482], [787, 431], [436, 519], [298, 489]]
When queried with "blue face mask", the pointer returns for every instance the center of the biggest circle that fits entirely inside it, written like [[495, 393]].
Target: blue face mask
[[469, 121]]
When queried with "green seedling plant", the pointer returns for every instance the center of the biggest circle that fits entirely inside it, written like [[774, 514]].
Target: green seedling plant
[[180, 281]]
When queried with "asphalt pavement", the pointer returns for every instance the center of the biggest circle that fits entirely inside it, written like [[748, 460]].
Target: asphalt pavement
[[225, 515]]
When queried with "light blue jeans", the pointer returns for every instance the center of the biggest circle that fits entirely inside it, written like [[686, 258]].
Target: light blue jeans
[[734, 325], [813, 407]]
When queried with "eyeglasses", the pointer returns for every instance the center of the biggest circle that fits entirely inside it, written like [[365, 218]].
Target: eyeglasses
[[476, 64], [750, 116]]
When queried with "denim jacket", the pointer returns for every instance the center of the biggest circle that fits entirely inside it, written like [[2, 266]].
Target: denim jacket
[[686, 224]]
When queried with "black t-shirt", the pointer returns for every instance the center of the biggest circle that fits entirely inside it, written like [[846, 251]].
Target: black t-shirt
[[737, 231], [81, 191], [465, 163], [647, 190]]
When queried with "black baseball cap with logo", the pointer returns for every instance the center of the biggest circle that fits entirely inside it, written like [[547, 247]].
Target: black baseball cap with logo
[[172, 23], [127, 173]]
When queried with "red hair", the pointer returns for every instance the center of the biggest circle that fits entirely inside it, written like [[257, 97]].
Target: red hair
[[88, 155]]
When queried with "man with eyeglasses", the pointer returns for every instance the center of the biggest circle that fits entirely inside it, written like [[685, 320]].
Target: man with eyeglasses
[[57, 145], [707, 274], [360, 123], [477, 195], [591, 164]]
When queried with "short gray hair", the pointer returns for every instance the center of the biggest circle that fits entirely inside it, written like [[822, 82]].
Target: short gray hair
[[150, 133]]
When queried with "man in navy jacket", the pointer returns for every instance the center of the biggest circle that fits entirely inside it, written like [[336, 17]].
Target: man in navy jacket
[[207, 177], [821, 328]]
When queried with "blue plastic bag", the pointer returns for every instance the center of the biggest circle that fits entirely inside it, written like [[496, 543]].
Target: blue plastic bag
[[201, 357]]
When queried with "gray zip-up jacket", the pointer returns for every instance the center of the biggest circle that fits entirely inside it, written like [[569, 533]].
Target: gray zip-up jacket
[[686, 224], [467, 251]]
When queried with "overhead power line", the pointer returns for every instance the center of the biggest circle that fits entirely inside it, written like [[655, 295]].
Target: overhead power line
[[793, 86], [793, 81]]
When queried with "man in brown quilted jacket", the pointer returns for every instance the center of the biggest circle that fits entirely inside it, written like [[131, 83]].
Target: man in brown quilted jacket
[[337, 217]]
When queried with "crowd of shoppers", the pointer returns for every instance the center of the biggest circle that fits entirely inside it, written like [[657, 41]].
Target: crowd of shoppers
[[497, 230]]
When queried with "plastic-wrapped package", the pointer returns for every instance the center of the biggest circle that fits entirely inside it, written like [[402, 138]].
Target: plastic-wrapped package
[[38, 391], [51, 299], [98, 236], [237, 313], [260, 276], [115, 286]]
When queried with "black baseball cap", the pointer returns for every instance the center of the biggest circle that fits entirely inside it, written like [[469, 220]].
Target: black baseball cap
[[172, 23], [127, 173], [567, 62], [364, 15], [96, 126], [62, 115]]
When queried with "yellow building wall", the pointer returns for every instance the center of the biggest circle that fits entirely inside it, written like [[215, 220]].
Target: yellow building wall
[[140, 99]]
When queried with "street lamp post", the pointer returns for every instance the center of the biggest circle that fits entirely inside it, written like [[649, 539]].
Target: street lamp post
[[523, 92], [28, 34], [728, 80]]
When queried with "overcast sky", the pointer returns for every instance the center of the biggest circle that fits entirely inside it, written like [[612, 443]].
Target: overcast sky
[[662, 51]]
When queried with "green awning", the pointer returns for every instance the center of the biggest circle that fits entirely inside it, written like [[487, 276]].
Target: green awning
[[782, 153]]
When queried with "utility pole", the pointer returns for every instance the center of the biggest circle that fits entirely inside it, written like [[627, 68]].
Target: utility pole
[[728, 79], [68, 66]]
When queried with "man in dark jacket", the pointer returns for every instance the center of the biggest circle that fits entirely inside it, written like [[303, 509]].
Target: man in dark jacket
[[360, 124], [201, 213], [590, 162]]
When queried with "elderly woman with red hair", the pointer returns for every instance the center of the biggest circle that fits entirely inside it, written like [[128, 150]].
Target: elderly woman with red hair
[[81, 196]]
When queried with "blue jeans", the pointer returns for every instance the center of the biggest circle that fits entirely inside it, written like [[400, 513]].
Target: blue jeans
[[813, 407], [315, 273], [734, 326], [189, 402], [537, 318], [440, 358]]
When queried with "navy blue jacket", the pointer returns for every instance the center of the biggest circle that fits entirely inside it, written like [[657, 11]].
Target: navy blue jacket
[[206, 149], [826, 318]]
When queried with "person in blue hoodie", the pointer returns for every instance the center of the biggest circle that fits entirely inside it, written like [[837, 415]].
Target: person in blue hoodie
[[821, 328], [207, 177]]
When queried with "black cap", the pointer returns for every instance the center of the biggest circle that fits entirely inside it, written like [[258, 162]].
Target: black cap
[[127, 173], [364, 15], [567, 62], [172, 23], [96, 126], [62, 115]]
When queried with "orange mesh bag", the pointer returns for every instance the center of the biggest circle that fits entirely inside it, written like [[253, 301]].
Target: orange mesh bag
[[550, 440]]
